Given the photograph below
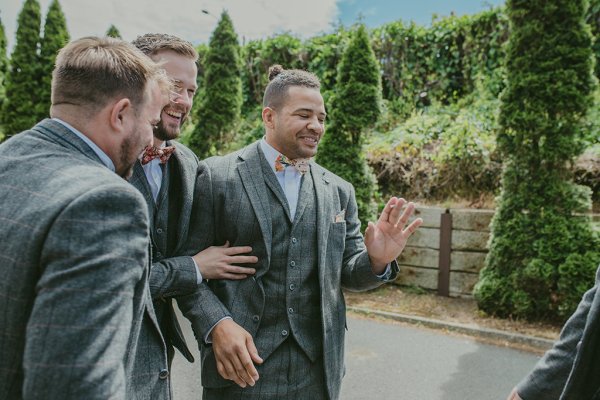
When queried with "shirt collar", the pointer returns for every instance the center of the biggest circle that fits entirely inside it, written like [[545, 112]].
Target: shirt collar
[[102, 155], [270, 153]]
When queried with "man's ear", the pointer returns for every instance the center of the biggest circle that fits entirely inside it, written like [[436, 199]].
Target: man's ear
[[268, 117], [118, 112]]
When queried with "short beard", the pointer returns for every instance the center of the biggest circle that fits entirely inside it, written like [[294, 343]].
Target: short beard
[[125, 161], [162, 133]]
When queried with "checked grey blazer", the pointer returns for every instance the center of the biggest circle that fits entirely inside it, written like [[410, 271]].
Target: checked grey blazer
[[173, 272], [570, 370], [76, 320], [234, 205]]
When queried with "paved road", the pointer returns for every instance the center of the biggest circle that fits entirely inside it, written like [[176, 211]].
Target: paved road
[[391, 361]]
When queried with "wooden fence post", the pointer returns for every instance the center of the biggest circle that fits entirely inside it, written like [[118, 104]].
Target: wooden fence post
[[444, 255]]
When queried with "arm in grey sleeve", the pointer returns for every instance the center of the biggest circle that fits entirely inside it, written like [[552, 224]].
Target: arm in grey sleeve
[[94, 255], [548, 378], [174, 276], [356, 272]]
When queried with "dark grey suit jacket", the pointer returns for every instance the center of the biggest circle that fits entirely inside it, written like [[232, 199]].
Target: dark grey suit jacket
[[74, 297], [571, 369], [173, 272], [233, 206]]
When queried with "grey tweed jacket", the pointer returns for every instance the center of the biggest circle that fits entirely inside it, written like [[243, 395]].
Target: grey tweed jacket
[[233, 206], [173, 272], [75, 317], [571, 369]]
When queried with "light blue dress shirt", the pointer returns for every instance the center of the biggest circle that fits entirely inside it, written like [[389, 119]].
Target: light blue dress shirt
[[102, 155]]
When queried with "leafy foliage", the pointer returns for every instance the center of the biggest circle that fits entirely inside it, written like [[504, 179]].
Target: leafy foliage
[[3, 70], [55, 37], [221, 95], [22, 83], [355, 107], [113, 32], [538, 249]]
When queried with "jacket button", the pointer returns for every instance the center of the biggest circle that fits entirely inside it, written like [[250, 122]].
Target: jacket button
[[293, 263], [163, 374], [159, 231], [255, 318], [284, 332], [294, 240]]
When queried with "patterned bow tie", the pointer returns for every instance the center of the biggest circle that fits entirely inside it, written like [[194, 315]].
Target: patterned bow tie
[[301, 164], [152, 152]]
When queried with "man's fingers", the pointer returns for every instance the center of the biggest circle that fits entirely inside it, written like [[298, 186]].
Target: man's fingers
[[406, 213], [253, 352], [241, 260], [385, 214], [398, 211], [232, 251], [412, 227], [234, 269]]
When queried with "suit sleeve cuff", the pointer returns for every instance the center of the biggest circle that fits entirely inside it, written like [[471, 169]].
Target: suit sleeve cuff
[[198, 273]]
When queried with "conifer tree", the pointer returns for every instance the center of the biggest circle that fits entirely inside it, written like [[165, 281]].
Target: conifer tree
[[542, 255], [221, 95], [22, 83], [3, 70], [113, 32], [354, 108], [55, 37]]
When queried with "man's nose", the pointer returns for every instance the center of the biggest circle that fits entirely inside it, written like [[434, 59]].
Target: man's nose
[[315, 126]]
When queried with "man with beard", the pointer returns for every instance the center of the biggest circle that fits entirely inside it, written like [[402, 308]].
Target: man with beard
[[166, 176], [301, 221], [75, 306]]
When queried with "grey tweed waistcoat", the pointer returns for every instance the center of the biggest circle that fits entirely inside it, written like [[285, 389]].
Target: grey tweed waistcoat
[[291, 286]]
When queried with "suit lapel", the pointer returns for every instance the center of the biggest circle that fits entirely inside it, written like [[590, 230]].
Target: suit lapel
[[324, 211], [255, 187], [140, 182], [187, 172]]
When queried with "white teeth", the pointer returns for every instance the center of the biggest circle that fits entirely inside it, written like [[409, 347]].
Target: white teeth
[[174, 114]]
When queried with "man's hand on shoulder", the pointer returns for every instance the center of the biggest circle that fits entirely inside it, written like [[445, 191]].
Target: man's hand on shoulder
[[222, 262], [386, 239], [235, 353]]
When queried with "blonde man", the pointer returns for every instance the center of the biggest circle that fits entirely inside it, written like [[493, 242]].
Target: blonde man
[[74, 309]]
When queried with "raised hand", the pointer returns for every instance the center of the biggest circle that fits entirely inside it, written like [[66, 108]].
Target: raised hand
[[219, 262], [235, 353], [386, 239]]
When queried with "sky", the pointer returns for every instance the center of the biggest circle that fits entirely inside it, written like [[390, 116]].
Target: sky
[[252, 19]]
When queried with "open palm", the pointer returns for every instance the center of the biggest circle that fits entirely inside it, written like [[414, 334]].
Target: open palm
[[386, 239]]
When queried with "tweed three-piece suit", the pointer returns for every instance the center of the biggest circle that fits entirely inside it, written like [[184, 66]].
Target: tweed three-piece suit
[[295, 299]]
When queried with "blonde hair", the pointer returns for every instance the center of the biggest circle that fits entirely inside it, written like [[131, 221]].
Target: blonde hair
[[91, 71], [153, 43]]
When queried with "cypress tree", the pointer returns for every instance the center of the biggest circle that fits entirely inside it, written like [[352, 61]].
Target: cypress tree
[[113, 32], [221, 95], [542, 255], [355, 107], [3, 70], [22, 83], [55, 37]]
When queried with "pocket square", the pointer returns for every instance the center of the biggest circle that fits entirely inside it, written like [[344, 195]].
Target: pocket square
[[340, 217]]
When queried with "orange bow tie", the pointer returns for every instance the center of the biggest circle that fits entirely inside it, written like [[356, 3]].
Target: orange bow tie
[[301, 164]]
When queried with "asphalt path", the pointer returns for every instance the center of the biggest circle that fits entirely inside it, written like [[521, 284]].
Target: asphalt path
[[389, 360]]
